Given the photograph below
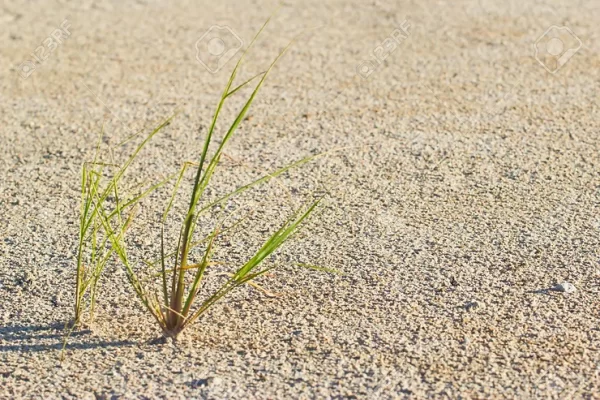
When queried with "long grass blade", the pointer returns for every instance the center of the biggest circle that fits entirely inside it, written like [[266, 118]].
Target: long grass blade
[[273, 243], [177, 294], [243, 275]]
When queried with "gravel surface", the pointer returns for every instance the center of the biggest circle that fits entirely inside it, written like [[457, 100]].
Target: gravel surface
[[470, 187]]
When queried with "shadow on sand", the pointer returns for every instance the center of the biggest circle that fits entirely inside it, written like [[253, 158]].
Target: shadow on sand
[[38, 338]]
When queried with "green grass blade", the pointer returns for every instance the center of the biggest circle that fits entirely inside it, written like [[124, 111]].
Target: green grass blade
[[177, 294], [119, 249], [136, 199], [244, 84], [199, 242], [216, 157], [163, 266], [243, 275], [276, 240], [260, 180], [200, 273]]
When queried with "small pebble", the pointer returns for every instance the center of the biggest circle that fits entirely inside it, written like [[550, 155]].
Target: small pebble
[[211, 380], [565, 287], [196, 383], [473, 305], [56, 301]]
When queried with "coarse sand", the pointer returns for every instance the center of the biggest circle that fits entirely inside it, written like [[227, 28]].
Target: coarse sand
[[465, 185]]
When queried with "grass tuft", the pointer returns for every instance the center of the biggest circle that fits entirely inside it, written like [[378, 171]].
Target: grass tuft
[[94, 248], [104, 224]]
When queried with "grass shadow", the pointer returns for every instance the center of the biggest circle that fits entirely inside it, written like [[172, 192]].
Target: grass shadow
[[39, 338], [545, 291]]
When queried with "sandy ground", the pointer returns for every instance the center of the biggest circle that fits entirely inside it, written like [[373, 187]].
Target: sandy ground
[[472, 186]]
